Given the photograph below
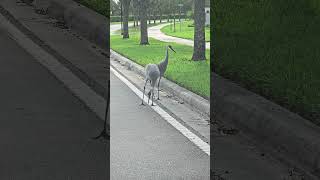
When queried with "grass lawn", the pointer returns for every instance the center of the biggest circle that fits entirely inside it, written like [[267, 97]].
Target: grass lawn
[[186, 31], [192, 75], [272, 48], [100, 6]]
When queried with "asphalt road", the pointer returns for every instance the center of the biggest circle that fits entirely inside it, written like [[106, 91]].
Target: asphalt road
[[145, 146], [45, 131]]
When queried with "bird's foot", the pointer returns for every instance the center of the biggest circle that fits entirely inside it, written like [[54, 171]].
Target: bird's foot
[[152, 105], [158, 98], [142, 104]]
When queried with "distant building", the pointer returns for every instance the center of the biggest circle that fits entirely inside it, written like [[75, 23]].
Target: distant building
[[207, 9]]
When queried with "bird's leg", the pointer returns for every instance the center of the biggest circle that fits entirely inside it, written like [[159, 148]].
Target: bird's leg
[[158, 88], [152, 96], [144, 89], [149, 94]]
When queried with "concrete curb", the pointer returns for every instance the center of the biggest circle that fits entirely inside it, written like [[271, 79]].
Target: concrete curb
[[83, 20], [187, 96], [96, 86], [295, 138]]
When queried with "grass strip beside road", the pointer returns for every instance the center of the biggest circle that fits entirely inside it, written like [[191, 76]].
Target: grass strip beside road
[[193, 75], [187, 30], [272, 48], [100, 6]]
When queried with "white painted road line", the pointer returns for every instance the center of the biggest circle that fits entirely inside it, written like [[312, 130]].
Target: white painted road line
[[94, 101], [205, 147]]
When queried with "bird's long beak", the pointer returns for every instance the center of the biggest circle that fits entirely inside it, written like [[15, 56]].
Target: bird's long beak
[[172, 49]]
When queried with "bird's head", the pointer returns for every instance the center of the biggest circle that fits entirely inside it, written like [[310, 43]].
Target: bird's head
[[170, 47]]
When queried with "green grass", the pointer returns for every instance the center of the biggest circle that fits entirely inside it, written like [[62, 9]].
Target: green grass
[[187, 30], [272, 48], [100, 6], [192, 75]]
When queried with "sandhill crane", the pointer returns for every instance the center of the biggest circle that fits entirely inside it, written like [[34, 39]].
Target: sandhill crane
[[152, 75], [163, 66]]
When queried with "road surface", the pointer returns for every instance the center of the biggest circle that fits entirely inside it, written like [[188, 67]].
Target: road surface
[[145, 146], [45, 131]]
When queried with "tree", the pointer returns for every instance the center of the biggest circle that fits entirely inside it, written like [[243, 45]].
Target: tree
[[160, 11], [199, 49], [135, 10], [126, 6], [143, 5]]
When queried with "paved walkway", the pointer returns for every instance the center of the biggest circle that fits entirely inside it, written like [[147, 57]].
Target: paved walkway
[[155, 32], [116, 27]]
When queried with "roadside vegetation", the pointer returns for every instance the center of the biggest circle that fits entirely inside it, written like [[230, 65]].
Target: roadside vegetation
[[100, 6], [272, 48], [193, 75], [188, 67], [186, 32]]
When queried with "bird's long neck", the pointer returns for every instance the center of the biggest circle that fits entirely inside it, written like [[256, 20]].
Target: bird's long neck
[[163, 64], [165, 61], [167, 56]]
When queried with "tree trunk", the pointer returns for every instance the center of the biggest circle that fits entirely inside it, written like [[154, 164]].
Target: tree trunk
[[133, 14], [199, 49], [160, 11], [174, 23], [136, 11], [126, 5], [143, 22]]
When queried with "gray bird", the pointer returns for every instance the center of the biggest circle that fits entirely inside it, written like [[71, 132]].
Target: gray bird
[[163, 66], [152, 75]]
